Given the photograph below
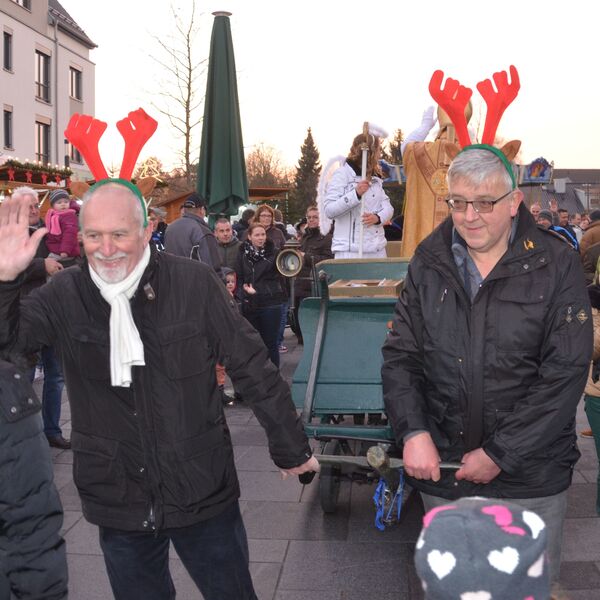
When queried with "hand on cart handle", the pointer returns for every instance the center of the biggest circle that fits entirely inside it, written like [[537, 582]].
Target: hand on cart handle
[[421, 458], [310, 466]]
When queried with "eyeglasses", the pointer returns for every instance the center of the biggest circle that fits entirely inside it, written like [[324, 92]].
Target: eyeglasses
[[479, 206]]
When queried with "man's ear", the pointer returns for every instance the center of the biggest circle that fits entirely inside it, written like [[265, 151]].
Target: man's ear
[[147, 232], [515, 201]]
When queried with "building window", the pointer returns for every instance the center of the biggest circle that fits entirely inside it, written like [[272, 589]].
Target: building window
[[74, 155], [8, 51], [42, 142], [24, 3], [75, 83], [42, 76], [8, 129]]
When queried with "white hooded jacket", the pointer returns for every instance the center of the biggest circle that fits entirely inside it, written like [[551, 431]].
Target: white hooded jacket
[[342, 204]]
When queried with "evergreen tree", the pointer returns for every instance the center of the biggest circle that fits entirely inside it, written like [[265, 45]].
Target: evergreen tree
[[393, 155], [306, 179], [394, 147]]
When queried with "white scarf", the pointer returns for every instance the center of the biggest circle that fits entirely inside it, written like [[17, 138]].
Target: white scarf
[[126, 348]]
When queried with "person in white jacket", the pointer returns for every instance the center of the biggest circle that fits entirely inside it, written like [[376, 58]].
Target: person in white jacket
[[342, 203]]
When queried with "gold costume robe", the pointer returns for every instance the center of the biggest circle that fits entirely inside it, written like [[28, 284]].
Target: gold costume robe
[[425, 166]]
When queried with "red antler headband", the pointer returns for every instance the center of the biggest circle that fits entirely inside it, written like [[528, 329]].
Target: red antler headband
[[84, 132], [453, 98]]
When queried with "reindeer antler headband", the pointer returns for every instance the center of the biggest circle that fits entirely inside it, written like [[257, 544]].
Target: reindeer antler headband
[[84, 132], [453, 98]]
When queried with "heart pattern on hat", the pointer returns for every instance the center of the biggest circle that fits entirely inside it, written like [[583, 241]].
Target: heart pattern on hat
[[534, 522], [476, 596], [505, 560], [478, 549], [537, 568], [441, 563]]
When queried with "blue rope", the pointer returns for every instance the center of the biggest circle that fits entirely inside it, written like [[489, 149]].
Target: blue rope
[[381, 515]]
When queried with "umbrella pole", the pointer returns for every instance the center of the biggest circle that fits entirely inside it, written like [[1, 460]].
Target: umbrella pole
[[363, 174]]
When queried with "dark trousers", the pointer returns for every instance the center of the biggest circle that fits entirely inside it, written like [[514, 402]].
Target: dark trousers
[[282, 323], [51, 392], [214, 553], [266, 321]]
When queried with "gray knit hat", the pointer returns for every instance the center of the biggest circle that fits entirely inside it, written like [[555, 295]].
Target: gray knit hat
[[56, 195], [545, 214], [482, 549]]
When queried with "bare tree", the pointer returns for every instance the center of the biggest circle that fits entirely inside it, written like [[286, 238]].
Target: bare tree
[[180, 100], [264, 167]]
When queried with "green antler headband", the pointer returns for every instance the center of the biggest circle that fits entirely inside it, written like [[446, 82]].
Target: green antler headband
[[84, 132]]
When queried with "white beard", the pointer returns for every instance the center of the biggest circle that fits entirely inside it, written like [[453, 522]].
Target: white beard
[[110, 274]]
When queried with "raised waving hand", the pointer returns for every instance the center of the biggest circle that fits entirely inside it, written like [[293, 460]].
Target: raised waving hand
[[17, 247]]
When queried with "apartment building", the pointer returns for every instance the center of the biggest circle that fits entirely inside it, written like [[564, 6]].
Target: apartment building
[[47, 76]]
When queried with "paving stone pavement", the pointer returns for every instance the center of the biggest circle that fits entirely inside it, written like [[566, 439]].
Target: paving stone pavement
[[298, 553]]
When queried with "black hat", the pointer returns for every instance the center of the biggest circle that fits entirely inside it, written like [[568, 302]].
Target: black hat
[[595, 215], [57, 195], [545, 214], [195, 201]]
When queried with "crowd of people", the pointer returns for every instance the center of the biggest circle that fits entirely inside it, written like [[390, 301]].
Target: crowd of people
[[471, 373]]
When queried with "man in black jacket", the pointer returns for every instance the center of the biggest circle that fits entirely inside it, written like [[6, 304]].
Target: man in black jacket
[[140, 333], [315, 247], [190, 236], [39, 270], [33, 562], [489, 351]]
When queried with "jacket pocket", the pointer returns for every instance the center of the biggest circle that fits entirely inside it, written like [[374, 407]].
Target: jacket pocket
[[202, 464], [520, 315], [91, 347], [184, 349], [97, 472]]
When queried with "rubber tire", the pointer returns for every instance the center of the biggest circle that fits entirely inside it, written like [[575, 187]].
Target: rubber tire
[[329, 480]]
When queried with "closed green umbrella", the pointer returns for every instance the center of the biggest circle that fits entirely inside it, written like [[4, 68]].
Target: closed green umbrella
[[222, 169]]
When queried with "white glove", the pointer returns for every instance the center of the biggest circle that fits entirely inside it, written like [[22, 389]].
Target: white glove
[[428, 120], [421, 132]]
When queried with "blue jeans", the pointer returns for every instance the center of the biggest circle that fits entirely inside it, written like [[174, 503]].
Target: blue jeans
[[214, 553], [51, 392], [266, 321], [282, 323]]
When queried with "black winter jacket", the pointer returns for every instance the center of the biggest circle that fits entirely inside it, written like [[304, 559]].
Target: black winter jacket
[[264, 277], [157, 454], [190, 237], [33, 563], [316, 247], [504, 372]]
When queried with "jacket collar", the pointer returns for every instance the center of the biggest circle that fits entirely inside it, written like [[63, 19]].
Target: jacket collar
[[527, 247], [195, 218], [146, 276]]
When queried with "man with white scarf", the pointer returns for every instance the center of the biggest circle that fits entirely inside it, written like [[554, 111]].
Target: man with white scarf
[[139, 333]]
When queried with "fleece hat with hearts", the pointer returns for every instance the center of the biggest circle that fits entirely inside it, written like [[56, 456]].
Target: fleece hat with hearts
[[482, 549]]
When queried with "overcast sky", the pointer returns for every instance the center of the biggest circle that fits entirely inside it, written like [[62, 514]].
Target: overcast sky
[[330, 65]]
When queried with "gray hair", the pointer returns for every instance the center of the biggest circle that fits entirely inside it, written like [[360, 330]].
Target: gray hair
[[139, 211], [478, 166], [159, 212], [24, 191]]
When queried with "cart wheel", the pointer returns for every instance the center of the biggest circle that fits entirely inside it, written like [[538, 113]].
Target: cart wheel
[[329, 480]]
